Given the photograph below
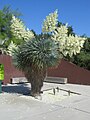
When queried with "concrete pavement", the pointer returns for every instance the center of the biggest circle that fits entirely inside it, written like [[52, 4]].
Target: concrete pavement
[[16, 107]]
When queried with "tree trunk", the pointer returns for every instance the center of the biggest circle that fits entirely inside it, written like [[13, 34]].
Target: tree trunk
[[36, 78]]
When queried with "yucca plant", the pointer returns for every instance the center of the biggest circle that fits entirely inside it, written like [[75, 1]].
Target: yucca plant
[[33, 58]]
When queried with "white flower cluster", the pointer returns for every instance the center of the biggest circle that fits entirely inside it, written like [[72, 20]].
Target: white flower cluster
[[11, 47], [67, 44], [19, 31], [49, 24]]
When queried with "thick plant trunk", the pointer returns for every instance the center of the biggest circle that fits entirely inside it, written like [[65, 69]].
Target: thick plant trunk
[[36, 86], [36, 78]]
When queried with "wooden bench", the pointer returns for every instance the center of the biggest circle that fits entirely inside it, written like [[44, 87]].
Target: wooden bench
[[56, 80]]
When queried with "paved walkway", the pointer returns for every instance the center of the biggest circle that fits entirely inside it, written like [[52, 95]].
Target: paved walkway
[[15, 107]]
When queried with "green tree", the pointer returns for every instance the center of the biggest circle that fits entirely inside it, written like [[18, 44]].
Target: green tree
[[35, 55], [5, 21], [33, 58], [83, 58]]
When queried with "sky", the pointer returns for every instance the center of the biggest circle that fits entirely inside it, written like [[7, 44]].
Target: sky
[[74, 12]]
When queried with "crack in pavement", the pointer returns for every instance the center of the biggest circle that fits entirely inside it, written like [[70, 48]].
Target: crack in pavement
[[73, 108]]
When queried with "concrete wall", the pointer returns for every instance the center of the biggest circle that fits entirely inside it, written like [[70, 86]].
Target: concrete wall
[[75, 74], [16, 72], [9, 70]]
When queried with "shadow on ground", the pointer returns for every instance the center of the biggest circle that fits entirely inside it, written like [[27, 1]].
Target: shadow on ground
[[19, 89]]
